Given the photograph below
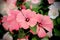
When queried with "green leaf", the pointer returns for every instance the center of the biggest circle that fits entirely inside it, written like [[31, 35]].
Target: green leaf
[[18, 3], [54, 22], [46, 38], [34, 38], [41, 11], [56, 32], [27, 4], [58, 20], [34, 28], [21, 33], [0, 31], [46, 13], [35, 9]]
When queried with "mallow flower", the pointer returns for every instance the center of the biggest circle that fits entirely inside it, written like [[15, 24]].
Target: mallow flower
[[26, 18], [9, 22], [44, 23]]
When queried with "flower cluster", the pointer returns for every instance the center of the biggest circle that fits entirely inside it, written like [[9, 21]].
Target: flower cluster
[[26, 19]]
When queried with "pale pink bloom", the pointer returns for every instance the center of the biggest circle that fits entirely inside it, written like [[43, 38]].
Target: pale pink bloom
[[51, 1], [6, 6], [44, 22], [9, 22], [26, 18], [49, 34], [12, 2], [35, 1], [7, 36]]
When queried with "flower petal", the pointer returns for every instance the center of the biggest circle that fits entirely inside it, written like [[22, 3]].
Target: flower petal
[[41, 33], [20, 17], [47, 24], [24, 25], [32, 22]]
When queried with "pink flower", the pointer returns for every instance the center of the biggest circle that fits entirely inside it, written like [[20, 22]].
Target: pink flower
[[9, 22], [26, 18], [44, 22], [51, 1]]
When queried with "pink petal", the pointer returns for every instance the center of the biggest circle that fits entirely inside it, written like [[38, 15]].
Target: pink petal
[[32, 22], [38, 29], [20, 17], [50, 34], [39, 17], [51, 1], [14, 25], [26, 13], [47, 28], [11, 1], [41, 33], [46, 20], [35, 1], [12, 15], [24, 25], [47, 24], [6, 26], [4, 19]]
